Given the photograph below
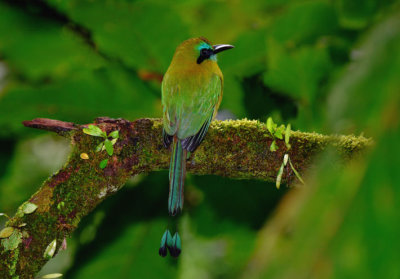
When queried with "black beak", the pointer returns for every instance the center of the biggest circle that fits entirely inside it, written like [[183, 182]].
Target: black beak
[[219, 48]]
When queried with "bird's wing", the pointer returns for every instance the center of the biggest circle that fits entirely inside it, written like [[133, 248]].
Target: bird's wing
[[170, 89], [208, 107], [192, 142], [189, 106]]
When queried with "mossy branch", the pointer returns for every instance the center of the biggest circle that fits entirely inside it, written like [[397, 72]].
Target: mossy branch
[[235, 149]]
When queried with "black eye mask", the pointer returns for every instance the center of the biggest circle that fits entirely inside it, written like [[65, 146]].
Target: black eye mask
[[205, 53]]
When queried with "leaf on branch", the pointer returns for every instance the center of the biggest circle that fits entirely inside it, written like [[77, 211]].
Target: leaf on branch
[[114, 134], [279, 132], [273, 146], [6, 232], [280, 172], [279, 177], [270, 125], [103, 163], [295, 172], [287, 136], [94, 131], [100, 147], [109, 147], [50, 250], [84, 156], [60, 205], [29, 208], [52, 275]]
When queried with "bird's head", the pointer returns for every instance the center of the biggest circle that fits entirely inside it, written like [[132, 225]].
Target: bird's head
[[199, 51]]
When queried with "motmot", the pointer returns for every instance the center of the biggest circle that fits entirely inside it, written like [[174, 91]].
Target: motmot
[[191, 95]]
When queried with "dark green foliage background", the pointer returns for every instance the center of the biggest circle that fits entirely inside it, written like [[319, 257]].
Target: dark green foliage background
[[325, 66]]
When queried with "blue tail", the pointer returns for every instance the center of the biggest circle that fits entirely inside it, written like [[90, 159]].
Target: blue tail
[[177, 171]]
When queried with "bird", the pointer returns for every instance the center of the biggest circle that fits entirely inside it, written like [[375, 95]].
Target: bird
[[191, 95]]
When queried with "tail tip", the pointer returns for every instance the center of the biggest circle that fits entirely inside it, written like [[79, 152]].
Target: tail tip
[[162, 251]]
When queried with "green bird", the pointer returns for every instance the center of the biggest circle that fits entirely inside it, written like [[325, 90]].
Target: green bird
[[191, 95]]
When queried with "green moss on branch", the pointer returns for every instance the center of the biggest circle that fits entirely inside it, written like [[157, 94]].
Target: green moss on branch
[[236, 149]]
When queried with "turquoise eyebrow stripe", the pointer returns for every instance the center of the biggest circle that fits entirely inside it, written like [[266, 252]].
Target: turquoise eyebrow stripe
[[203, 45]]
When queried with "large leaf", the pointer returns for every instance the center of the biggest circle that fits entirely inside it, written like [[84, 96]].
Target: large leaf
[[39, 48], [55, 73], [357, 14], [141, 34], [298, 72], [304, 22], [81, 98]]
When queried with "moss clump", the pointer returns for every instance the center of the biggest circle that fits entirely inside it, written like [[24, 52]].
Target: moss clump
[[12, 241]]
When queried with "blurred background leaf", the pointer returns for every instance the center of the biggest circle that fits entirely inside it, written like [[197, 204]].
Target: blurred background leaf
[[325, 66]]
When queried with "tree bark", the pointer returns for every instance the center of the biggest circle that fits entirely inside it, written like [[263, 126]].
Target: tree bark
[[235, 149]]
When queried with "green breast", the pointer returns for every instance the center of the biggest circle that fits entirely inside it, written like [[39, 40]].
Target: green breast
[[188, 101]]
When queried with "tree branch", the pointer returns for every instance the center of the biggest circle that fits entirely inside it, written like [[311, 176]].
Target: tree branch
[[236, 149]]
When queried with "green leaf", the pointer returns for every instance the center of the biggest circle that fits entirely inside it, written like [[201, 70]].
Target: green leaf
[[285, 159], [287, 136], [6, 232], [114, 141], [114, 134], [109, 147], [50, 250], [304, 21], [279, 176], [280, 172], [295, 172], [60, 205], [29, 208], [278, 133], [100, 146], [53, 51], [103, 163], [93, 86], [273, 146], [132, 19], [82, 78], [52, 275], [270, 125], [298, 72], [94, 131], [358, 16]]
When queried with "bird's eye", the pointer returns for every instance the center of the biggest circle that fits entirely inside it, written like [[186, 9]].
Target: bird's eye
[[204, 52]]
